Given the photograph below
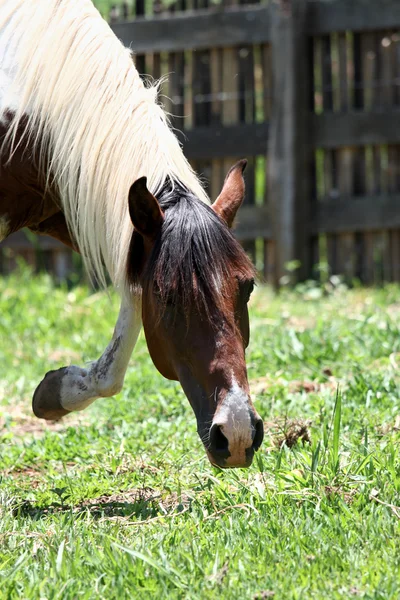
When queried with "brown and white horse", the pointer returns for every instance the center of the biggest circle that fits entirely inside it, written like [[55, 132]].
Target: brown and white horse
[[87, 157]]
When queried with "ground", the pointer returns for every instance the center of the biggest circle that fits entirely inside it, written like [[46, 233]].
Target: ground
[[119, 501]]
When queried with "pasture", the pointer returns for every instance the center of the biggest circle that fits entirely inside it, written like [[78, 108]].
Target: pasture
[[120, 501]]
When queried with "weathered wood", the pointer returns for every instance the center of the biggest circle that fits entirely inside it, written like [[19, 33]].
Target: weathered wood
[[395, 254], [213, 28], [326, 73], [366, 67], [386, 49], [353, 15], [253, 222], [230, 81], [140, 59], [156, 73], [269, 261], [249, 243], [343, 77], [62, 263], [393, 169], [46, 252], [346, 184], [362, 213], [346, 258], [328, 189], [266, 66], [331, 253], [201, 88], [216, 68], [217, 178], [247, 86], [176, 68], [289, 154], [396, 68], [386, 258], [188, 91], [219, 141], [216, 85], [356, 128]]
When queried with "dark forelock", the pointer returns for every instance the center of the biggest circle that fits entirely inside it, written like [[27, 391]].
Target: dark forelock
[[193, 257]]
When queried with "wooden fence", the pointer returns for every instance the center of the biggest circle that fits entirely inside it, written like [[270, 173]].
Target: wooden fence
[[309, 92]]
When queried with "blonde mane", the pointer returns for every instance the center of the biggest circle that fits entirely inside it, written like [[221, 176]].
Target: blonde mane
[[100, 126]]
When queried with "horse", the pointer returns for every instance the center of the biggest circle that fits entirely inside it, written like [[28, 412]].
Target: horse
[[88, 156]]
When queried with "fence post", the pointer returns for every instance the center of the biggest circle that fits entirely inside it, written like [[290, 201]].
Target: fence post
[[289, 147]]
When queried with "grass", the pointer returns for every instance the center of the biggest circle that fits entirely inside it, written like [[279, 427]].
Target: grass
[[119, 501]]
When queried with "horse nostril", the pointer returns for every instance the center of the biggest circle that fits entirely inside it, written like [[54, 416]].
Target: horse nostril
[[219, 445], [258, 435]]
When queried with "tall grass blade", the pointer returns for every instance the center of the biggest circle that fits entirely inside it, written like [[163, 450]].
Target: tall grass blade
[[60, 555], [336, 428], [315, 458]]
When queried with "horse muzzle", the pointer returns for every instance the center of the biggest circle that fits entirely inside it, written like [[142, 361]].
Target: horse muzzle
[[236, 432], [225, 452]]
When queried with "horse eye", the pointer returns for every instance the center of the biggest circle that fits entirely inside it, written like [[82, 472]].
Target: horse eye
[[246, 289], [249, 290]]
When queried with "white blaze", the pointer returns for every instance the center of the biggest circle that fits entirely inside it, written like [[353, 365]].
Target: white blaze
[[234, 418]]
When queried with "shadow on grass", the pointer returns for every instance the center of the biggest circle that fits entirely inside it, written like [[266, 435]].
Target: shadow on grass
[[138, 504]]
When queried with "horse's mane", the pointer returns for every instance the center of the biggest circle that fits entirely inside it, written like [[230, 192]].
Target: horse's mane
[[193, 256], [97, 126]]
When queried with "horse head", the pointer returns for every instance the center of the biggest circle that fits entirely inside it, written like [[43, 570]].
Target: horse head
[[196, 281]]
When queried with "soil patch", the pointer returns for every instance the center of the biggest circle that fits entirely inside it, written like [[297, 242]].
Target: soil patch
[[19, 420]]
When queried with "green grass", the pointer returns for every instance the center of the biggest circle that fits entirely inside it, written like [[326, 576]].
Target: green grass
[[120, 501]]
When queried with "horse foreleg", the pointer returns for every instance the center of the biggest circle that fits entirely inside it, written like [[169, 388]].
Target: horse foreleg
[[73, 388]]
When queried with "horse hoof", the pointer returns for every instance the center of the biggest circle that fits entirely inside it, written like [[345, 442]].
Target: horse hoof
[[46, 402]]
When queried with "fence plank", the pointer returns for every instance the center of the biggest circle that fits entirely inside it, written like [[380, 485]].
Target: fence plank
[[200, 29], [367, 95], [246, 106], [345, 241], [253, 222], [363, 213], [355, 15], [216, 142], [395, 254], [217, 167], [332, 130], [394, 186], [266, 63], [289, 155], [343, 67]]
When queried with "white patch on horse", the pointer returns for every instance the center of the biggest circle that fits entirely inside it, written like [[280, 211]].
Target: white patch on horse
[[104, 378], [77, 390], [234, 417], [4, 228]]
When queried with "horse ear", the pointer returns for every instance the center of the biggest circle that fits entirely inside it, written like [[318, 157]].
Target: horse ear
[[144, 209], [232, 194]]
